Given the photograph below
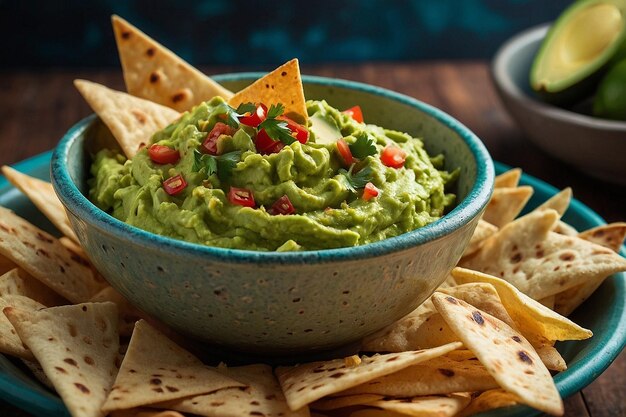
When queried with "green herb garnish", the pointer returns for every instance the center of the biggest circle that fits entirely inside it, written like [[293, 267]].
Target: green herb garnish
[[232, 115], [358, 180], [222, 165], [363, 147], [277, 129]]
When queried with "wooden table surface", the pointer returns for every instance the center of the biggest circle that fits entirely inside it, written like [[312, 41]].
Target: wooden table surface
[[37, 107]]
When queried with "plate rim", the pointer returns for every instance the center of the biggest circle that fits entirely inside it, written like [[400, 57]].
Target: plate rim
[[583, 373]]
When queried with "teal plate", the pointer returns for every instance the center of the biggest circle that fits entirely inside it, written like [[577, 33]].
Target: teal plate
[[604, 313]]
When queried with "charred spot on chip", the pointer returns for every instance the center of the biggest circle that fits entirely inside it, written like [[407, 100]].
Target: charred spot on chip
[[393, 358], [171, 389], [139, 115], [155, 381], [126, 35], [477, 317], [42, 252], [598, 233], [71, 362], [89, 360], [150, 51], [256, 413], [270, 397], [62, 370], [283, 73], [43, 237], [337, 375], [452, 300], [517, 339], [566, 256], [154, 77], [524, 357], [157, 389], [254, 403], [178, 97], [81, 387], [446, 372], [78, 259], [516, 258]]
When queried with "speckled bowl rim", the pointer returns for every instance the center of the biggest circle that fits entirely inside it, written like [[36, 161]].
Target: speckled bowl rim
[[502, 78], [470, 207]]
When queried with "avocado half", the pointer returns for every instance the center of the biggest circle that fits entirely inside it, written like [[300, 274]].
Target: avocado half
[[577, 50]]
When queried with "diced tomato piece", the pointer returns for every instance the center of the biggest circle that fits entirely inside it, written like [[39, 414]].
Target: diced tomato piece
[[256, 117], [299, 132], [282, 206], [210, 143], [241, 197], [264, 144], [278, 146], [370, 191], [174, 185], [355, 112], [393, 157], [344, 151], [163, 154]]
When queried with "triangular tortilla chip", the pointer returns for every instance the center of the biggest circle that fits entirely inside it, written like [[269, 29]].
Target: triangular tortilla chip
[[610, 236], [132, 120], [425, 328], [481, 233], [506, 204], [155, 369], [308, 382], [155, 73], [128, 314], [489, 400], [283, 85], [262, 397], [10, 342], [43, 257], [506, 354], [539, 262], [508, 179], [434, 377], [77, 346], [19, 282], [42, 195], [559, 201], [531, 317], [333, 403], [424, 406]]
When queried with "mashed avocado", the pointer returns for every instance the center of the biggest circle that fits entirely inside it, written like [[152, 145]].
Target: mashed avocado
[[329, 204]]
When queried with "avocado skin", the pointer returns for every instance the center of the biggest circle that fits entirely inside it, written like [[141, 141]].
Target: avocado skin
[[579, 90]]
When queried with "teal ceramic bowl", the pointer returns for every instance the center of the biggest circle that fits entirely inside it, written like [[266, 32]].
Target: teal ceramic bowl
[[278, 303]]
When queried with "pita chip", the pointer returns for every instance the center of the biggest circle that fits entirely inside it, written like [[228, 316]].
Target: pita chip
[[437, 376], [43, 196], [43, 257], [508, 179], [145, 412], [19, 282], [155, 73], [10, 342], [283, 85], [539, 262], [261, 397], [155, 369], [424, 406], [481, 233], [305, 383], [507, 355], [132, 120], [334, 403], [77, 346], [506, 204], [531, 317], [490, 400]]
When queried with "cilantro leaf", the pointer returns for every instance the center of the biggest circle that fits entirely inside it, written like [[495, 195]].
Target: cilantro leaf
[[232, 116], [275, 128], [222, 165], [358, 180], [363, 147]]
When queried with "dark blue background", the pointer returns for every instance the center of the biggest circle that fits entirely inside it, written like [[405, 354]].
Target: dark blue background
[[264, 33]]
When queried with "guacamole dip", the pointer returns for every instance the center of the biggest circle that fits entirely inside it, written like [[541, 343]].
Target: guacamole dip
[[250, 178]]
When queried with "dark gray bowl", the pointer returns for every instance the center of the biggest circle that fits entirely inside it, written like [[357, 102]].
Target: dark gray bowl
[[595, 146], [274, 303]]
